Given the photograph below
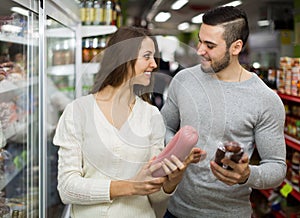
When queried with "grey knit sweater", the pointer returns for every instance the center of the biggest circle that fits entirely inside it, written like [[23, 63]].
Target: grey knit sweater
[[247, 112]]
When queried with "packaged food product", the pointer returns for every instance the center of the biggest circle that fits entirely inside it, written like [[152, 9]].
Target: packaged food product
[[233, 150], [180, 146]]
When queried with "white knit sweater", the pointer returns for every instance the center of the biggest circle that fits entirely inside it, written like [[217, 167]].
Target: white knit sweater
[[93, 152]]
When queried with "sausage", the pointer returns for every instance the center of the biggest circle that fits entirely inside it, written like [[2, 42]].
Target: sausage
[[180, 146]]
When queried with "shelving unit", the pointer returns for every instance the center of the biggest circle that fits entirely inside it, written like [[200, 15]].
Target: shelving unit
[[292, 143], [85, 71], [289, 97], [90, 31], [17, 39], [286, 188], [68, 70], [8, 91]]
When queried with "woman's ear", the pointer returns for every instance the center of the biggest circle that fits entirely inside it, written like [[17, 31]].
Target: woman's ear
[[236, 47]]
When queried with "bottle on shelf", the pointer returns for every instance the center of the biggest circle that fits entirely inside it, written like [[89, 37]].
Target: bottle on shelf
[[95, 50], [98, 12], [86, 50], [108, 12], [89, 10], [82, 9], [119, 21], [114, 13]]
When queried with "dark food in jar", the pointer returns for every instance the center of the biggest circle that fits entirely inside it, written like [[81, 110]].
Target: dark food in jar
[[232, 150]]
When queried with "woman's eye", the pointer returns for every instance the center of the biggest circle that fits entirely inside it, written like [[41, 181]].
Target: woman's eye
[[147, 56]]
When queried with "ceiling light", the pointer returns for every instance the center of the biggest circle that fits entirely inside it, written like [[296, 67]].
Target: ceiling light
[[198, 18], [162, 16], [19, 10], [263, 23], [234, 3], [183, 26], [256, 65], [179, 4]]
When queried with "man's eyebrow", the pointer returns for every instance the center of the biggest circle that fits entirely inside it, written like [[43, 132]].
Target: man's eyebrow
[[206, 42], [209, 42]]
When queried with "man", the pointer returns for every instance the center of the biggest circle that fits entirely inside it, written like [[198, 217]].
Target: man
[[225, 102]]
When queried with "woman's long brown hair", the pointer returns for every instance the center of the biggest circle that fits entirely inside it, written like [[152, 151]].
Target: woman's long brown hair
[[119, 56]]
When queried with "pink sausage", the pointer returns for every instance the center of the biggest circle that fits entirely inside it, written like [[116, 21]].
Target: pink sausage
[[180, 146]]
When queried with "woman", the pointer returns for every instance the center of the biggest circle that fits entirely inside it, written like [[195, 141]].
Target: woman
[[107, 139]]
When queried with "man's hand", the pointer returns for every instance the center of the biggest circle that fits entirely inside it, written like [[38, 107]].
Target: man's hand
[[238, 175]]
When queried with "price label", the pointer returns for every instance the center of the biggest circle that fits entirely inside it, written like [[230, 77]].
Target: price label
[[286, 189]]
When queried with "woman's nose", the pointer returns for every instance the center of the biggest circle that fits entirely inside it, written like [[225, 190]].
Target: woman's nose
[[153, 63]]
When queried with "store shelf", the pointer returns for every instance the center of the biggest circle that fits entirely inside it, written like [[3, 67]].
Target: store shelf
[[7, 86], [60, 33], [17, 39], [16, 131], [9, 90], [295, 192], [292, 142], [289, 97], [69, 69], [86, 31], [61, 70], [90, 31], [266, 192]]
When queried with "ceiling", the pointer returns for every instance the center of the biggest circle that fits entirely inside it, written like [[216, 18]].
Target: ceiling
[[138, 10]]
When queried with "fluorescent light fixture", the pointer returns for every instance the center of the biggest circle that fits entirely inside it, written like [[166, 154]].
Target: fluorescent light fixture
[[179, 4], [198, 18], [234, 3], [183, 26], [263, 23], [256, 65], [162, 16], [19, 10]]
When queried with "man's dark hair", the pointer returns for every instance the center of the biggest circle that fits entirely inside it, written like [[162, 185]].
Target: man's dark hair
[[233, 20]]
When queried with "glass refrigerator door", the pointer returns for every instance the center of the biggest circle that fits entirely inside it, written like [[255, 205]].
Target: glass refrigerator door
[[19, 165], [60, 42]]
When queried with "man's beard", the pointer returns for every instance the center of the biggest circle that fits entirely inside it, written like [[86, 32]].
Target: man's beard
[[219, 65]]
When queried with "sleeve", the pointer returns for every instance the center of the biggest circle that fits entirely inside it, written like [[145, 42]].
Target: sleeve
[[73, 187], [158, 199], [170, 112], [157, 134], [270, 143]]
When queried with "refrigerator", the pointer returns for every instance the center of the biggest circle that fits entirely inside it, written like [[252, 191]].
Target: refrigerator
[[41, 71], [40, 57]]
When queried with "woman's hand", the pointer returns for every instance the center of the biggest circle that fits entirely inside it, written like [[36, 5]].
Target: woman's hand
[[141, 184], [175, 168]]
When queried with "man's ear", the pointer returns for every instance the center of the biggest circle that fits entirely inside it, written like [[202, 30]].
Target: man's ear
[[236, 47]]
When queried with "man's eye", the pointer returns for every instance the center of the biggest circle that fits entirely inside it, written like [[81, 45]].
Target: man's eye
[[210, 46]]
